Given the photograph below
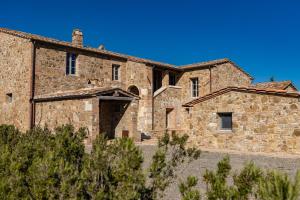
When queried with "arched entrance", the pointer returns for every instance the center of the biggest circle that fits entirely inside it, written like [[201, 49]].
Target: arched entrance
[[133, 89]]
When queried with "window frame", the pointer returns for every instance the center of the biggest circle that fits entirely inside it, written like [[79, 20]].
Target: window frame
[[196, 89], [116, 72], [172, 78], [71, 64], [222, 124]]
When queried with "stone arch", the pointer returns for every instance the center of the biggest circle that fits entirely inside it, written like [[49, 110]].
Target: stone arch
[[133, 89]]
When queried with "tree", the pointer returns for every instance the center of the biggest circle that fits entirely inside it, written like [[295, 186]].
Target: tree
[[171, 153], [53, 165], [187, 190], [277, 186], [114, 170]]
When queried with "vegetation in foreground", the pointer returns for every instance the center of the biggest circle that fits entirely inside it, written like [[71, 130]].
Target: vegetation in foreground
[[53, 165]]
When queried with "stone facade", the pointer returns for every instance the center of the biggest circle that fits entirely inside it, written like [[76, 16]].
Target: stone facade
[[77, 112], [261, 123], [37, 90], [212, 78], [15, 67], [167, 103]]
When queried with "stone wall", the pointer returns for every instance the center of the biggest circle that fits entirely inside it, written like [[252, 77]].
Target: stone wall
[[168, 99], [79, 113], [15, 71], [51, 77], [261, 123], [227, 75], [222, 76], [51, 71], [140, 75], [185, 82]]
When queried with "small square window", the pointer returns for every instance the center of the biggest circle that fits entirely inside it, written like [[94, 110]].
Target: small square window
[[9, 97], [225, 121]]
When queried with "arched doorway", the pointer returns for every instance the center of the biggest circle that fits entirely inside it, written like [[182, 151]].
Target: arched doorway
[[133, 89]]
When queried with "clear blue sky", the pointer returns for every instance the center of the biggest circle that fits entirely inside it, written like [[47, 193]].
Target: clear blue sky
[[262, 36]]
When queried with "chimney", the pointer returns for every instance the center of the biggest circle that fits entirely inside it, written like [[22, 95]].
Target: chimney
[[101, 47], [77, 37]]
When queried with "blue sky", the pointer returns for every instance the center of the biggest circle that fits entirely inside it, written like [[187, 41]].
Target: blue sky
[[261, 36]]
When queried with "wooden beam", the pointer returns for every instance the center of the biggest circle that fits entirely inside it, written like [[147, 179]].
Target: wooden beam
[[115, 98]]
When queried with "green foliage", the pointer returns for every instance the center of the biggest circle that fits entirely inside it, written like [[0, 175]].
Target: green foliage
[[54, 165], [171, 153], [187, 190], [243, 183], [217, 187], [246, 181], [40, 165], [114, 170], [277, 186]]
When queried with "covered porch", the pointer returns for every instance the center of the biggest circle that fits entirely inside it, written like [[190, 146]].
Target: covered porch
[[118, 111]]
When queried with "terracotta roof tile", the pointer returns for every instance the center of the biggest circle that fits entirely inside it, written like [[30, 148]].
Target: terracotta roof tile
[[119, 55], [95, 50], [212, 63], [81, 93], [282, 85], [243, 89]]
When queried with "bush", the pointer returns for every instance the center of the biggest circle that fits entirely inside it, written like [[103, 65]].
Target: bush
[[53, 165], [251, 182]]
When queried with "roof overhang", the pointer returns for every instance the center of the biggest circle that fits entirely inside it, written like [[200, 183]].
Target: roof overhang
[[283, 93], [100, 93]]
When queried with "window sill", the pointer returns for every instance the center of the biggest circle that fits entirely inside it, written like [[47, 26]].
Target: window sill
[[225, 131], [72, 75]]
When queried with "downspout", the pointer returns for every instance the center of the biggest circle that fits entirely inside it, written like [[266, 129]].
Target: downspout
[[32, 84], [210, 78], [153, 98]]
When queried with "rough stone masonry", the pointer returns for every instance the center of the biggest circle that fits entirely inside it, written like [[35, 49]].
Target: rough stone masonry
[[44, 81]]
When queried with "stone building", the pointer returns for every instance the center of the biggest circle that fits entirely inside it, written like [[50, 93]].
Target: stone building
[[44, 81]]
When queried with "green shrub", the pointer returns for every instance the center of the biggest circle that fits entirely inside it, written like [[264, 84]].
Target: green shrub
[[53, 165], [278, 186]]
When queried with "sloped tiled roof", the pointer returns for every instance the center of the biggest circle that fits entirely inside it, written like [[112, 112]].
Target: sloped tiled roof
[[81, 93], [118, 55], [95, 50], [212, 63], [282, 85], [243, 89]]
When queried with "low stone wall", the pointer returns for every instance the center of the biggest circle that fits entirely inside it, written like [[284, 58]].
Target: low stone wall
[[261, 123], [209, 160]]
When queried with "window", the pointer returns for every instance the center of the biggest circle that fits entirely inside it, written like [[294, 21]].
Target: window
[[157, 79], [195, 87], [226, 121], [172, 79], [115, 72], [9, 97], [71, 64]]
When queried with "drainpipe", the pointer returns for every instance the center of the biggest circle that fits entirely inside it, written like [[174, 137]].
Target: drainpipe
[[153, 98], [210, 78], [32, 84]]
